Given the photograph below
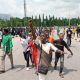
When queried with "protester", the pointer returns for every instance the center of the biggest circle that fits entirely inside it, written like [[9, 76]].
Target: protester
[[78, 32], [26, 50], [50, 38], [60, 44], [0, 37], [44, 47], [73, 31], [34, 51], [6, 47], [69, 35]]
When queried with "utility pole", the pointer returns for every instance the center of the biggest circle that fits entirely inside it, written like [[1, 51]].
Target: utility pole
[[24, 11], [69, 18], [69, 22]]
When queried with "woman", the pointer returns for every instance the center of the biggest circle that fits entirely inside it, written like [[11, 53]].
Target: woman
[[26, 50]]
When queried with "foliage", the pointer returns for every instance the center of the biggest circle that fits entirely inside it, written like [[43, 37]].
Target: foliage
[[45, 21]]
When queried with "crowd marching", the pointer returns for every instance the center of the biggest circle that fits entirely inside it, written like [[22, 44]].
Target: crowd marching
[[39, 44]]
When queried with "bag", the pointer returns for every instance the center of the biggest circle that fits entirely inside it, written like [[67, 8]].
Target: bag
[[42, 69]]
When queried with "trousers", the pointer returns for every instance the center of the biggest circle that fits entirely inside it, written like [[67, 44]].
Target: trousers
[[2, 60], [26, 57]]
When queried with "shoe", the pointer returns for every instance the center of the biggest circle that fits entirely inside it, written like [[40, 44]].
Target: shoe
[[2, 72], [12, 67], [61, 75], [36, 73], [27, 69]]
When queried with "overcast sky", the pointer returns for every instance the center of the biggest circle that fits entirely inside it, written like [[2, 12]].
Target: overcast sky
[[58, 8]]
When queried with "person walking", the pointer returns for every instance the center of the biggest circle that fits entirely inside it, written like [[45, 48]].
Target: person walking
[[69, 35], [26, 50], [60, 44], [6, 46], [0, 37]]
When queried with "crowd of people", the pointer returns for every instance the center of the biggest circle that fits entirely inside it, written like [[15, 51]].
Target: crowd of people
[[39, 45]]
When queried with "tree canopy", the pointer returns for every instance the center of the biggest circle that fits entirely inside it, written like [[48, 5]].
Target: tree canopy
[[39, 21]]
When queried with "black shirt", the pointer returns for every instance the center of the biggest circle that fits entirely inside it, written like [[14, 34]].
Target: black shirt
[[69, 33], [60, 44]]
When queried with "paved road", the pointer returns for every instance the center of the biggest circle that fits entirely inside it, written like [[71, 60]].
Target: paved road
[[71, 67]]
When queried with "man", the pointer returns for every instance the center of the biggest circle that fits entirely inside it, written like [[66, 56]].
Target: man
[[46, 48], [50, 39], [69, 35], [0, 50], [6, 49], [73, 31], [0, 37], [60, 44]]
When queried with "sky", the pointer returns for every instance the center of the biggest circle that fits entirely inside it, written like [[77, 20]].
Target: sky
[[58, 8]]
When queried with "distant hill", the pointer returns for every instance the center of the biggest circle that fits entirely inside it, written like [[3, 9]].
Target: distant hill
[[5, 16]]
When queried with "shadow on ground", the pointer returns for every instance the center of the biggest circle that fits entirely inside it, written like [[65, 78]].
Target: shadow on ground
[[20, 67], [65, 71]]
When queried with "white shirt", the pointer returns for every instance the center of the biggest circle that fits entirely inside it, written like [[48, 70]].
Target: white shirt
[[46, 47], [24, 43], [0, 34]]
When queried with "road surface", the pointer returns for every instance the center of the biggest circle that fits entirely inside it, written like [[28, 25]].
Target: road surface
[[71, 66]]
